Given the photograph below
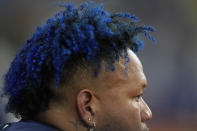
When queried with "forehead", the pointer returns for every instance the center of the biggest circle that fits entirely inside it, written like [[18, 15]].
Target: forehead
[[134, 79], [118, 82], [134, 60], [135, 67], [136, 76], [135, 73], [112, 79]]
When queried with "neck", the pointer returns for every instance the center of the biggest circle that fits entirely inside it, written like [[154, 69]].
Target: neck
[[62, 120]]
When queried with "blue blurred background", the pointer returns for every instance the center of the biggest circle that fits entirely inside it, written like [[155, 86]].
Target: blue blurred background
[[170, 65]]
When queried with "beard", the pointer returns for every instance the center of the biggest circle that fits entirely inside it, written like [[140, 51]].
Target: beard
[[114, 125], [119, 128]]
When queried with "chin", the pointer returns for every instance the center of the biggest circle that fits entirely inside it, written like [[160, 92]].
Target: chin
[[144, 127]]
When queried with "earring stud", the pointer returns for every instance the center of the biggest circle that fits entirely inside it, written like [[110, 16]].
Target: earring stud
[[93, 128], [94, 123]]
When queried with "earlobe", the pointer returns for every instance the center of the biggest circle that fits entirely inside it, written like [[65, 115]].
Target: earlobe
[[84, 106]]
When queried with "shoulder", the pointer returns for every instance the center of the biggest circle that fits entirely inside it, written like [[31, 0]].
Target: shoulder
[[26, 126], [4, 126]]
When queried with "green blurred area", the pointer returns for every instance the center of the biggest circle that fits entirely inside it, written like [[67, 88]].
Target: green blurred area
[[190, 7]]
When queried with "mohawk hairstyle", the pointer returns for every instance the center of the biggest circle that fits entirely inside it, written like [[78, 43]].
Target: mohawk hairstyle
[[75, 34]]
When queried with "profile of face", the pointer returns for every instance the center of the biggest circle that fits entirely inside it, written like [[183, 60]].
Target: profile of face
[[115, 103]]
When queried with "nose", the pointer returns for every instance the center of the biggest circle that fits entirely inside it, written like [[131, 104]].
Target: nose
[[146, 113]]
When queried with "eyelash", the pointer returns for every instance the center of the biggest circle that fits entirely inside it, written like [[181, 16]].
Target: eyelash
[[138, 97]]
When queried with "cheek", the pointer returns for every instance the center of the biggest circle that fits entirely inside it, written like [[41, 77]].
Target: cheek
[[134, 108], [122, 105], [117, 107], [132, 115], [125, 110]]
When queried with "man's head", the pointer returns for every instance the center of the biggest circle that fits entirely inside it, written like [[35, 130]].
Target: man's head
[[113, 100], [82, 62]]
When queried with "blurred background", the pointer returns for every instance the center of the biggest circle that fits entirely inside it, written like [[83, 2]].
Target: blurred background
[[170, 65]]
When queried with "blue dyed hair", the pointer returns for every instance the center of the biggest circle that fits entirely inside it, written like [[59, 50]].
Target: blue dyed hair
[[87, 33]]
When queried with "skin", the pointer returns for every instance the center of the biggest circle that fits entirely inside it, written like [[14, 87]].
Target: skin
[[112, 101]]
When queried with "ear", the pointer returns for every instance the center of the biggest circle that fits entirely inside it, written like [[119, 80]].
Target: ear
[[86, 106]]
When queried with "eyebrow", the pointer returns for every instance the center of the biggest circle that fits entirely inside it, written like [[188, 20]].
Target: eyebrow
[[144, 85]]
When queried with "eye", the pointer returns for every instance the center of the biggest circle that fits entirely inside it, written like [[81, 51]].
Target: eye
[[137, 98]]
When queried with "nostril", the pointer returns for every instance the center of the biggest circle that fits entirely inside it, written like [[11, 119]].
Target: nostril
[[146, 114], [149, 114]]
